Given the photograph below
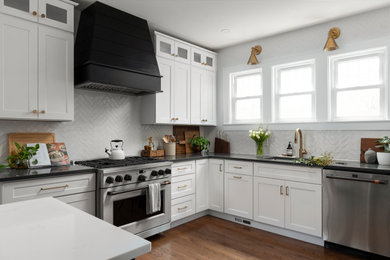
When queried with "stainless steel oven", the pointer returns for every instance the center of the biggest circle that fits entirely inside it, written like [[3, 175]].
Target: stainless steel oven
[[125, 207], [122, 199]]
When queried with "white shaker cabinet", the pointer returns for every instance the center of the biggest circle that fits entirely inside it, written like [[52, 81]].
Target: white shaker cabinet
[[36, 60], [56, 87], [216, 172], [18, 68], [203, 59], [172, 105], [203, 97], [239, 195], [269, 201], [202, 182], [181, 94], [303, 207]]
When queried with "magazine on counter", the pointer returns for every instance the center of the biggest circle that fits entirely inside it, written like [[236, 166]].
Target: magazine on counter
[[58, 154]]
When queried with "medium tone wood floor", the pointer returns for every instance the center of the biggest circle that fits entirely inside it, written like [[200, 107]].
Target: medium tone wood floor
[[212, 238]]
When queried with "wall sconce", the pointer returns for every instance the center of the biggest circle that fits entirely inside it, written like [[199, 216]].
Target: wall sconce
[[255, 51], [331, 44]]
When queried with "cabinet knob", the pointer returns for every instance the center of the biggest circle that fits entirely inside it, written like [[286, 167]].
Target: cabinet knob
[[173, 119], [176, 55], [43, 15], [43, 112], [176, 118], [173, 54], [34, 111], [34, 13]]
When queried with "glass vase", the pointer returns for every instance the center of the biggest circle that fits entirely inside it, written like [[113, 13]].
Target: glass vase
[[259, 149]]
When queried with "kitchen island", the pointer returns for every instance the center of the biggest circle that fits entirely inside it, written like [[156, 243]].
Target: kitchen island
[[50, 229]]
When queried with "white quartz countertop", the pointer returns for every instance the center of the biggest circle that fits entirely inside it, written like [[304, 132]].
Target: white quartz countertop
[[48, 229]]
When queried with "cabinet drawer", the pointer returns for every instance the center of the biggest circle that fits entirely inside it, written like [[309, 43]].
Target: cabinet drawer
[[183, 207], [48, 187], [290, 173], [83, 201], [179, 169], [183, 186], [239, 167]]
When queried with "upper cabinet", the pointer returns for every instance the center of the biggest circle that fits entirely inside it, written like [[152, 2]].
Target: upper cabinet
[[36, 63], [203, 59], [188, 90], [55, 13], [169, 48]]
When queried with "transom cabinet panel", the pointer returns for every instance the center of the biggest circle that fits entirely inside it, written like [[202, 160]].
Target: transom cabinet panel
[[203, 59], [188, 91], [55, 13]]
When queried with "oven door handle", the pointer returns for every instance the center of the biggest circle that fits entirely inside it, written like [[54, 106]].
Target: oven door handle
[[111, 193]]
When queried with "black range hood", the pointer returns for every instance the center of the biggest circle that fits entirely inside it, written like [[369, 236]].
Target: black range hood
[[114, 52]]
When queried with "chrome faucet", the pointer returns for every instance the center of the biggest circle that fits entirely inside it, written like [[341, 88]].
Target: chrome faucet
[[301, 150]]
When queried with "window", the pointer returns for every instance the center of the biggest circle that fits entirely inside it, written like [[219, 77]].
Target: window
[[357, 85], [294, 92], [246, 92]]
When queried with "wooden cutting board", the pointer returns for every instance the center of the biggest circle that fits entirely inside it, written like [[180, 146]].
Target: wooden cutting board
[[366, 143], [27, 138], [221, 146], [188, 135]]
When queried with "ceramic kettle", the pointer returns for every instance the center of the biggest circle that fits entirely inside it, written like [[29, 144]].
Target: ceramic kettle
[[116, 152]]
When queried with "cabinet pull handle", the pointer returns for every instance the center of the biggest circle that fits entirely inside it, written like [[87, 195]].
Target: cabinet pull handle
[[35, 111], [237, 167], [287, 191], [180, 169], [43, 112], [182, 186], [56, 187], [182, 208], [43, 15], [281, 189], [34, 13], [237, 177], [220, 167]]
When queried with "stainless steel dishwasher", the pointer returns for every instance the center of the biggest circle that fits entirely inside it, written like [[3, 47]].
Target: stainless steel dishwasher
[[356, 210]]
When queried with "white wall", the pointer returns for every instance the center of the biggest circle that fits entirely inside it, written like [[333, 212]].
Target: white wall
[[358, 32], [99, 118]]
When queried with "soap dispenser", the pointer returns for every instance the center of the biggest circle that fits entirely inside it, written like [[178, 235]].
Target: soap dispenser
[[289, 150]]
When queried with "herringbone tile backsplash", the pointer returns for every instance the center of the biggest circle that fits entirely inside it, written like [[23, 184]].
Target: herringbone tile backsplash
[[99, 118]]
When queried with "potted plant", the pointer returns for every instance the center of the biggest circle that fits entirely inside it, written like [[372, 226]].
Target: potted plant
[[384, 157], [259, 136], [201, 143], [20, 159]]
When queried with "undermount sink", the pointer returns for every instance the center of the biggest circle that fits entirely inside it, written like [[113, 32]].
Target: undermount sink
[[281, 159]]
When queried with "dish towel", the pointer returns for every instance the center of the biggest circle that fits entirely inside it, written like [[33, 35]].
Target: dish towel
[[153, 198]]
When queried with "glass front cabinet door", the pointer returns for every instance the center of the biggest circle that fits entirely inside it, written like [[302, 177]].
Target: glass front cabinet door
[[57, 14], [26, 9], [203, 59]]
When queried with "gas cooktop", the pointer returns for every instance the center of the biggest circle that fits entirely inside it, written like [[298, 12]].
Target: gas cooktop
[[128, 161]]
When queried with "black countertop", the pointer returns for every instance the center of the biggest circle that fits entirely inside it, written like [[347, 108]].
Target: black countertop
[[20, 174], [339, 165]]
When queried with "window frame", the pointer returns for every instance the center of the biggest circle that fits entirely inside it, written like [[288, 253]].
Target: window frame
[[333, 90], [233, 99], [276, 70]]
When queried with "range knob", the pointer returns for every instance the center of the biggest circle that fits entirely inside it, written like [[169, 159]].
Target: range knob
[[141, 178], [168, 171], [127, 177], [154, 173], [118, 178], [161, 172], [109, 180]]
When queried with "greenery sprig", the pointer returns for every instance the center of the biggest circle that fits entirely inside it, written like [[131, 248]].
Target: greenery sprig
[[201, 142], [23, 154]]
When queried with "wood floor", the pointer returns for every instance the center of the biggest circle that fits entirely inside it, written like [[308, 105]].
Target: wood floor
[[212, 238]]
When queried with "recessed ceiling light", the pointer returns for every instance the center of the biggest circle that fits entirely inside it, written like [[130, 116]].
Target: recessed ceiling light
[[225, 30]]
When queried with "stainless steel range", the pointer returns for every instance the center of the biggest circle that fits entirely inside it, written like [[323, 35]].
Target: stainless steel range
[[122, 188]]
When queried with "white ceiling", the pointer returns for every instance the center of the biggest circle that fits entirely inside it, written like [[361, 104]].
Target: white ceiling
[[201, 21]]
